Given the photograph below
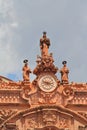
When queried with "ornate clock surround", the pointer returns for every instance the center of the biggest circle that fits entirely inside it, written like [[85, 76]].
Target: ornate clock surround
[[47, 82]]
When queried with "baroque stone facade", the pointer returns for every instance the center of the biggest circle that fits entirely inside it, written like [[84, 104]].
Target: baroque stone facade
[[46, 103]]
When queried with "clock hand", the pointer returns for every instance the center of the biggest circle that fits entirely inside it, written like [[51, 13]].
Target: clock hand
[[47, 83]]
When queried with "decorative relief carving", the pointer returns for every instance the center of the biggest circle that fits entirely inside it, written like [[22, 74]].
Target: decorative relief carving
[[32, 123], [10, 85], [79, 86], [68, 95], [84, 114], [63, 122], [50, 98], [45, 117], [46, 98], [68, 92], [11, 126], [79, 98], [9, 97], [6, 113], [35, 95], [45, 64], [29, 93], [49, 118], [82, 127]]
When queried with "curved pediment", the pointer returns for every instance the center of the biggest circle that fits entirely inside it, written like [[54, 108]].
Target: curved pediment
[[46, 115]]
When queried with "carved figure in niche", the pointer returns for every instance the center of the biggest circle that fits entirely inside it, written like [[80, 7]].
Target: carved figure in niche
[[44, 45], [26, 71], [64, 73]]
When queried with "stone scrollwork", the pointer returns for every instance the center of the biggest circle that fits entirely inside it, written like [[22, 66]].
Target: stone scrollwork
[[68, 92], [28, 89]]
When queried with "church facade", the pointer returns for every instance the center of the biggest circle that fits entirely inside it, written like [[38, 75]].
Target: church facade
[[46, 103]]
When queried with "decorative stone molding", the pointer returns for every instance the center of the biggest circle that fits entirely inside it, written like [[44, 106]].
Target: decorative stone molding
[[5, 114], [64, 123], [10, 85], [45, 64], [80, 97], [49, 118], [84, 114]]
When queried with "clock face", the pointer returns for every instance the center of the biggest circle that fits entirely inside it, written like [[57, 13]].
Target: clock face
[[47, 83]]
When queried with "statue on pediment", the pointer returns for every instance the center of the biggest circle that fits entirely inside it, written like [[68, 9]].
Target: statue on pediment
[[26, 71], [64, 73], [44, 45]]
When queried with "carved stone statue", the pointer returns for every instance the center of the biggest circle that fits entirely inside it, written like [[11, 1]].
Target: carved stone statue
[[26, 71], [64, 73], [44, 45]]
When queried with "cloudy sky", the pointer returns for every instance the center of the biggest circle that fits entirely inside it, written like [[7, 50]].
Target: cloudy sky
[[21, 25]]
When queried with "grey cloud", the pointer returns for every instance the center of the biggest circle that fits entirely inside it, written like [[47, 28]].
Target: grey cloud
[[66, 26]]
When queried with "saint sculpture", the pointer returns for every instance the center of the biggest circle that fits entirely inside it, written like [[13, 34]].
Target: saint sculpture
[[64, 73], [26, 71], [44, 45]]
